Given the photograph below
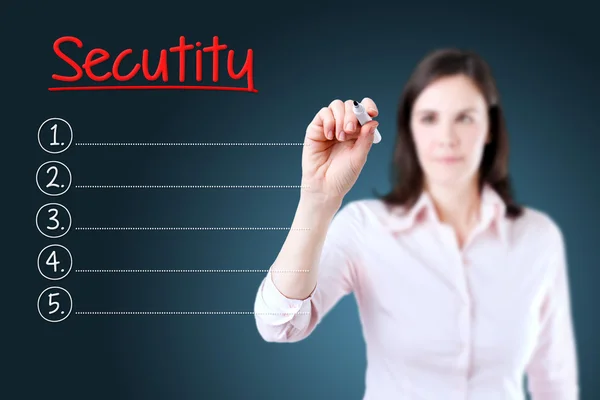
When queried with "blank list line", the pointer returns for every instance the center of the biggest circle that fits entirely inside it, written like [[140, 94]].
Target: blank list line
[[191, 144], [203, 271]]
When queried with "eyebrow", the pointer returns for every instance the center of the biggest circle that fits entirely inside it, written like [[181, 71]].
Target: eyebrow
[[429, 111]]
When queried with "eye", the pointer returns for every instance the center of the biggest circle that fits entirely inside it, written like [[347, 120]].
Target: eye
[[465, 119], [428, 119]]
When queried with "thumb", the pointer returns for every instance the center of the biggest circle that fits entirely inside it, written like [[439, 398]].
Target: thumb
[[365, 139]]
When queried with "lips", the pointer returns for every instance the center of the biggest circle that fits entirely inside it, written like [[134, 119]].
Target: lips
[[449, 160]]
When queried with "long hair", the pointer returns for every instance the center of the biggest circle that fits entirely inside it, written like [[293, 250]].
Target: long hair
[[407, 174]]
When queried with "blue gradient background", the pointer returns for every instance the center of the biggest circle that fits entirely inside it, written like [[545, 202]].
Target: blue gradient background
[[545, 60]]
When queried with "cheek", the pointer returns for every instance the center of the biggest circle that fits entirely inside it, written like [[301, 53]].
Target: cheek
[[424, 143], [473, 141]]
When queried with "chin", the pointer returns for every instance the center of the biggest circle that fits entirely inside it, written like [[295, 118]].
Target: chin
[[449, 178]]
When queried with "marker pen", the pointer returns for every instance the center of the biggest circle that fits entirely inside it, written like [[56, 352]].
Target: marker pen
[[363, 118]]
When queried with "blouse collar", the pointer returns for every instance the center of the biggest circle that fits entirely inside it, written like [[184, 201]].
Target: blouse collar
[[492, 213]]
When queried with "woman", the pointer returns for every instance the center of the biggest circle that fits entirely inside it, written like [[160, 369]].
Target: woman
[[461, 291]]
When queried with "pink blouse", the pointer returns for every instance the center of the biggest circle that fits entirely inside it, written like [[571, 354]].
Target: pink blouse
[[440, 322]]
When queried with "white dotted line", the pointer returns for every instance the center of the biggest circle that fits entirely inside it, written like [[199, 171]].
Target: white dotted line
[[191, 144], [189, 270], [217, 228], [191, 187], [184, 313]]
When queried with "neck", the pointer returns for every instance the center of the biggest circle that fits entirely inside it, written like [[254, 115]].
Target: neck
[[456, 206]]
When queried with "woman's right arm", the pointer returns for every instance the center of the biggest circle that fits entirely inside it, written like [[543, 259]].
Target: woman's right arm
[[302, 248], [314, 267], [313, 271]]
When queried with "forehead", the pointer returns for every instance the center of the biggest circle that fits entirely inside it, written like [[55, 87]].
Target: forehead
[[450, 93]]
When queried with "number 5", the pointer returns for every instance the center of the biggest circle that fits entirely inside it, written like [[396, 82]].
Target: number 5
[[51, 303]]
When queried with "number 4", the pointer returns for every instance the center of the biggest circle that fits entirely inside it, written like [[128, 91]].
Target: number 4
[[52, 260]]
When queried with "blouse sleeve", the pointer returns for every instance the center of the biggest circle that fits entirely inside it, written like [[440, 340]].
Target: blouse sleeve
[[282, 319], [552, 373]]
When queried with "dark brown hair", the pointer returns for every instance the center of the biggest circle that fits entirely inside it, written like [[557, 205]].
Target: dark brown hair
[[407, 175]]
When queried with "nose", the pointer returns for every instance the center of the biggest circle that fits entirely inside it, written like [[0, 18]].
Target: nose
[[447, 136]]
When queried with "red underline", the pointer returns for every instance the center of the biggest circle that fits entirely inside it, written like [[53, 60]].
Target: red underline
[[153, 87]]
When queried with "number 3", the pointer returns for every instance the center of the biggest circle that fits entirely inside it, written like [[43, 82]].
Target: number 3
[[53, 218]]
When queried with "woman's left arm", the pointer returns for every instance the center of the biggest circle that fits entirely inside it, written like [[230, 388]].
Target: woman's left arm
[[552, 373]]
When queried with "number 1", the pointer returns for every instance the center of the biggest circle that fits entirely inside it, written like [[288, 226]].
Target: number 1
[[54, 129]]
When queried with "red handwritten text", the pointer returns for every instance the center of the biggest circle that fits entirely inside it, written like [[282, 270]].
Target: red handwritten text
[[153, 70]]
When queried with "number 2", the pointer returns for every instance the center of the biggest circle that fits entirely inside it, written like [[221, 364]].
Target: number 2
[[51, 183]]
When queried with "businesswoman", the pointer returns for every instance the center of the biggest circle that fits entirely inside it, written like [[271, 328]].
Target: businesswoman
[[461, 290]]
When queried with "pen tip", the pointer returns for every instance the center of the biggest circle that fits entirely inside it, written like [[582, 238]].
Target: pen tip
[[355, 103]]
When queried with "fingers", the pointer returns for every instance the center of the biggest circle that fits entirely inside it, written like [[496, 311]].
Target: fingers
[[364, 142], [370, 106], [328, 123], [338, 110], [323, 124], [338, 120], [351, 125]]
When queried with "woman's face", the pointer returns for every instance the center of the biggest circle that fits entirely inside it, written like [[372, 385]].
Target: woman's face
[[450, 129]]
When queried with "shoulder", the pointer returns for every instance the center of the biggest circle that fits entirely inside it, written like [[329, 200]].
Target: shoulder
[[537, 225], [363, 212]]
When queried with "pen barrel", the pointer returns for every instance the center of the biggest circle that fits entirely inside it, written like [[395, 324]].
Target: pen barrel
[[377, 136], [361, 114], [363, 117]]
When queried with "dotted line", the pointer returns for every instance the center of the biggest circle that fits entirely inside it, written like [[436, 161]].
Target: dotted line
[[217, 228], [184, 313], [191, 144], [188, 270], [190, 187]]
